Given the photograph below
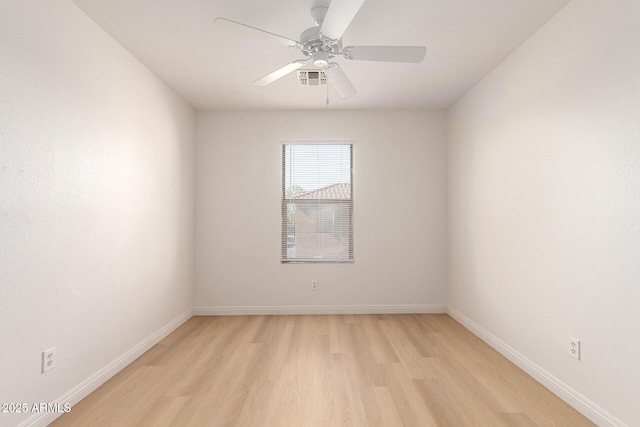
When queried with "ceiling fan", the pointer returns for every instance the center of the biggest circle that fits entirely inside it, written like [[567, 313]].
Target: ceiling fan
[[322, 43]]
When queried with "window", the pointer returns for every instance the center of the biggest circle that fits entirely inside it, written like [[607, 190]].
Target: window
[[317, 202]]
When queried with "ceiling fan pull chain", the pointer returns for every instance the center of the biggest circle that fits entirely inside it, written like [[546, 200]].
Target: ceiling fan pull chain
[[327, 94]]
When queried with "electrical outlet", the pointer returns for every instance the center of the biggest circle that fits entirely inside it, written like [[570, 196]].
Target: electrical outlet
[[48, 360], [574, 347], [314, 285]]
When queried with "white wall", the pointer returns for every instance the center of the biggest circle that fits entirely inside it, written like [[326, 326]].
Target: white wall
[[544, 202], [399, 212], [96, 200]]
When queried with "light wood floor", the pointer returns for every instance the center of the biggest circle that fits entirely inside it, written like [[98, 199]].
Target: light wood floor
[[335, 370]]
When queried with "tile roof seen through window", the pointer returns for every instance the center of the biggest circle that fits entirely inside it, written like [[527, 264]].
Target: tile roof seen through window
[[339, 191]]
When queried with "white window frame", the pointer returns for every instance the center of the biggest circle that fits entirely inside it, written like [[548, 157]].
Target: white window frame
[[287, 201]]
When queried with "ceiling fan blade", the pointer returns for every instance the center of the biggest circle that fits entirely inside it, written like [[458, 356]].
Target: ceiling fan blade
[[412, 54], [338, 18], [339, 81], [224, 22], [280, 72]]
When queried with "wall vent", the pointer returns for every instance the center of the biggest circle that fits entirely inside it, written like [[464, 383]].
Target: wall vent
[[312, 78]]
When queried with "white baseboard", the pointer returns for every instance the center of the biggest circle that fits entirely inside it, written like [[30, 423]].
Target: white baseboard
[[319, 309], [583, 405], [83, 389]]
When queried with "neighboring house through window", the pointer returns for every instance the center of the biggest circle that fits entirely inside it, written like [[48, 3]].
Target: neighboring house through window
[[317, 202]]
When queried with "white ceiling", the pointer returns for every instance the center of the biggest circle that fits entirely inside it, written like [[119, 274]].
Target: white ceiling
[[212, 67]]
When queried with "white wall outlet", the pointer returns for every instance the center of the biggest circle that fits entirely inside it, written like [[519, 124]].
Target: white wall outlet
[[574, 347], [48, 359], [314, 285]]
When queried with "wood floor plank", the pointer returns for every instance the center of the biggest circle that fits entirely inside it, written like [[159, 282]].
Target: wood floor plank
[[389, 415], [519, 420], [404, 348], [406, 397], [439, 405], [338, 370], [382, 349]]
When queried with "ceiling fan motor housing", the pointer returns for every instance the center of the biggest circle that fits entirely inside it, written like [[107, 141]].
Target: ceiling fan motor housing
[[315, 46]]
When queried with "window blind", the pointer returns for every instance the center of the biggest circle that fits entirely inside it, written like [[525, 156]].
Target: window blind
[[317, 202]]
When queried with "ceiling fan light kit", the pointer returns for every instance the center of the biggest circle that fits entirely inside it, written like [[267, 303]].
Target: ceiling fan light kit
[[322, 43]]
